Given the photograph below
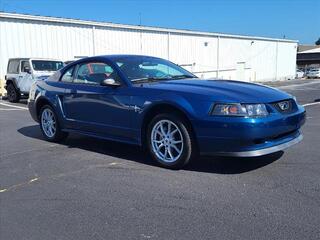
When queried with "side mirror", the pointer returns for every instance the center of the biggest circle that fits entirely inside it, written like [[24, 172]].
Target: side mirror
[[27, 69], [110, 82]]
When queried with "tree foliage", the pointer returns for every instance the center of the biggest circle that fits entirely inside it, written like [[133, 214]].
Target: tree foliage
[[318, 42]]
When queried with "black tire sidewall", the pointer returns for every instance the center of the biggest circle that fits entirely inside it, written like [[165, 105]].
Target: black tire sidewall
[[189, 146], [11, 89]]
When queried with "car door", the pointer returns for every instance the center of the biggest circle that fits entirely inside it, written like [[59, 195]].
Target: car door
[[25, 78], [96, 109]]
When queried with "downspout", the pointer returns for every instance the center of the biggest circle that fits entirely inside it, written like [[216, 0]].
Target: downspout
[[93, 41], [168, 46], [276, 77], [218, 57]]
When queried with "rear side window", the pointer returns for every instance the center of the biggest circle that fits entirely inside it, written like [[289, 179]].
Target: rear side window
[[13, 66], [68, 75]]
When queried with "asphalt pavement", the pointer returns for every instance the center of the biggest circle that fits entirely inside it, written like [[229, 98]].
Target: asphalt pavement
[[87, 188]]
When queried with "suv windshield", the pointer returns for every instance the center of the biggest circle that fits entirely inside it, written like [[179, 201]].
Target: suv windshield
[[45, 65], [151, 69]]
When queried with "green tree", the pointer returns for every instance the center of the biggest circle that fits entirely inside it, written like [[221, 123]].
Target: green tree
[[317, 42]]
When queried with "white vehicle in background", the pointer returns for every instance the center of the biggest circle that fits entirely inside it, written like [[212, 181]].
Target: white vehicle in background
[[313, 73], [299, 73], [23, 72]]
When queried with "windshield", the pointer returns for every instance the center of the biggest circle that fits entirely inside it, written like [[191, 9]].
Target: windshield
[[45, 65], [149, 68]]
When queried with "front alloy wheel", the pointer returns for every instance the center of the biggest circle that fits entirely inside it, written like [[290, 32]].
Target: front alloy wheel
[[49, 125], [167, 141], [170, 141]]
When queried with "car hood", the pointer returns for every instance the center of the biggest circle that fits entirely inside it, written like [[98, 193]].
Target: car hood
[[222, 90], [42, 75]]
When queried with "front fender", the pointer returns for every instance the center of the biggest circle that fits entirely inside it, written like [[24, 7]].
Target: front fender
[[12, 81], [42, 98], [173, 100]]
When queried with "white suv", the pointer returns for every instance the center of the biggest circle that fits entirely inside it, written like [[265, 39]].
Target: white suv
[[22, 72], [313, 73]]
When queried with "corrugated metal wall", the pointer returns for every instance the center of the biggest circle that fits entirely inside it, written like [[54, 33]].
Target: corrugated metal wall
[[207, 56]]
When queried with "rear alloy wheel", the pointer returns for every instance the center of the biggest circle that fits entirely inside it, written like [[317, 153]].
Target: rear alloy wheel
[[50, 126], [12, 93], [170, 142]]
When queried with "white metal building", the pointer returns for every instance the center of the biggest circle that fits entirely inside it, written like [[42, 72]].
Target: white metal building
[[209, 55]]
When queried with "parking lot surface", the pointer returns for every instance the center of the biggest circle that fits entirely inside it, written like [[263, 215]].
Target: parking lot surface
[[87, 188]]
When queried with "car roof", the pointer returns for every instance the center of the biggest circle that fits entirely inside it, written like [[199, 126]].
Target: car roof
[[126, 55], [113, 57], [36, 58]]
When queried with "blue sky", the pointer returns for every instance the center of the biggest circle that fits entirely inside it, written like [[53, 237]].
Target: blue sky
[[294, 19]]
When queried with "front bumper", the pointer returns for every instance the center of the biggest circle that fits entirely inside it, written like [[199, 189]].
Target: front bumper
[[249, 137], [33, 110], [263, 151]]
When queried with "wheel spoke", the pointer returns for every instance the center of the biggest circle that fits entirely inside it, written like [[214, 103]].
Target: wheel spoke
[[174, 131], [170, 153], [47, 115], [162, 129], [160, 146], [175, 148], [169, 128], [166, 153], [50, 130], [159, 133]]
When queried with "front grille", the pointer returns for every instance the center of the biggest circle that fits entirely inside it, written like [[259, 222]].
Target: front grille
[[286, 106]]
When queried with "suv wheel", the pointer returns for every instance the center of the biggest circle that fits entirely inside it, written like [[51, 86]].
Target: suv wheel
[[50, 126], [12, 93], [170, 142]]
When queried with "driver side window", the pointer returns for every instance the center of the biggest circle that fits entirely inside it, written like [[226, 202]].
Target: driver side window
[[25, 66], [94, 73]]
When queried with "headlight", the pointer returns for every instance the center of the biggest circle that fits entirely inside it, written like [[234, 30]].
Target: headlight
[[241, 110], [32, 92]]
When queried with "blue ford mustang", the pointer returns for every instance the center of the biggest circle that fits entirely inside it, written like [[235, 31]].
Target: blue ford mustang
[[156, 104]]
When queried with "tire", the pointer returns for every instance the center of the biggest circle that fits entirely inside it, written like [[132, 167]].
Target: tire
[[160, 143], [13, 94], [50, 126]]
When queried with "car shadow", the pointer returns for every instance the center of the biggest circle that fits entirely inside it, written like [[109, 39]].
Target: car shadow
[[219, 165], [23, 101]]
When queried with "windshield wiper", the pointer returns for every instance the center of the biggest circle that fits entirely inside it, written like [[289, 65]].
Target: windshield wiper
[[153, 79], [182, 76], [148, 79]]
